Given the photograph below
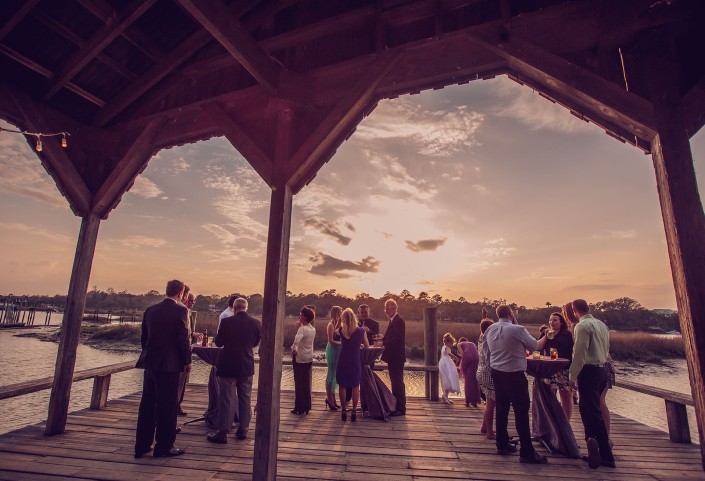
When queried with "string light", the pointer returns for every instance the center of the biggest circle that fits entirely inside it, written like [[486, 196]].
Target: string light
[[39, 135]]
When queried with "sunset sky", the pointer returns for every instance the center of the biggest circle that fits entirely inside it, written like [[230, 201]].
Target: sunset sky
[[480, 190]]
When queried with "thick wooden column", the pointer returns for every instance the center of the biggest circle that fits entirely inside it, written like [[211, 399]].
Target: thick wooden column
[[71, 325], [682, 212], [270, 365]]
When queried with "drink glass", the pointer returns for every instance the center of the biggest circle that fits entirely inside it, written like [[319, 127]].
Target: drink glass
[[537, 355], [551, 334], [554, 353], [210, 341]]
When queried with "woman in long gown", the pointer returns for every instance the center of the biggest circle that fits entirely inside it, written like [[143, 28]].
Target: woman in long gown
[[484, 378], [447, 370], [468, 365], [349, 369], [559, 337], [332, 352]]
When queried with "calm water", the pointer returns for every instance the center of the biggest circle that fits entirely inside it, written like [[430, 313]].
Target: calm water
[[24, 358]]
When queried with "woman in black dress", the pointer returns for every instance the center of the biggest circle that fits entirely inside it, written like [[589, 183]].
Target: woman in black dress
[[349, 369], [559, 337]]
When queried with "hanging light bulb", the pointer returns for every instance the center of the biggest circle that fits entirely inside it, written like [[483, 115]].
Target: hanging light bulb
[[64, 143], [39, 144]]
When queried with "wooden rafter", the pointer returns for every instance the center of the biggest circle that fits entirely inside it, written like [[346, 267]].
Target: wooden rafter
[[225, 27], [123, 174], [55, 159], [241, 140], [17, 17], [318, 146], [555, 74]]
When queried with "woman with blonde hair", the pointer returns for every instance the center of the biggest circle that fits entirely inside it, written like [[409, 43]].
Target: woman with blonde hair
[[349, 369], [447, 370], [332, 352]]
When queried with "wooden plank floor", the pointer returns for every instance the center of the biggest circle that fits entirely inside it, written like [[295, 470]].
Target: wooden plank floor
[[432, 441]]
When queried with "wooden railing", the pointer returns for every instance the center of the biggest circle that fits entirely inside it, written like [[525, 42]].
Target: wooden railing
[[101, 383], [676, 414]]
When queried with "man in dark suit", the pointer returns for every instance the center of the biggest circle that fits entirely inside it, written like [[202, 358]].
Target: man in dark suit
[[395, 353], [165, 354], [366, 322], [237, 335]]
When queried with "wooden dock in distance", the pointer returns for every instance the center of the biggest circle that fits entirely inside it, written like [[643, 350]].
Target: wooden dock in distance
[[432, 441]]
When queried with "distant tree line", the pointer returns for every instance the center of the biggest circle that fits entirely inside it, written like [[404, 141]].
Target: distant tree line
[[621, 313]]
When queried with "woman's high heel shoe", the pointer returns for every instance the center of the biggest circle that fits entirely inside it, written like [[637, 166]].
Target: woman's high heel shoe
[[353, 416], [332, 407], [344, 415]]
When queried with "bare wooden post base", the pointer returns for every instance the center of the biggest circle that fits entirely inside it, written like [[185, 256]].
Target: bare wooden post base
[[71, 326], [430, 340], [101, 386], [677, 417]]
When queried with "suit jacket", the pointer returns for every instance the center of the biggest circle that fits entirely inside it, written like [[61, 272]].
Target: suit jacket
[[165, 342], [395, 342], [237, 335], [374, 329]]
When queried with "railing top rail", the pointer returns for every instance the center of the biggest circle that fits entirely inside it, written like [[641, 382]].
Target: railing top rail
[[35, 385], [673, 396]]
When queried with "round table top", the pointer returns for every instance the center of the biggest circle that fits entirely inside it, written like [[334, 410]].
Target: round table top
[[545, 367]]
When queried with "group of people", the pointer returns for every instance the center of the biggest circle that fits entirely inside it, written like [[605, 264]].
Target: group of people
[[347, 334], [166, 360], [496, 370]]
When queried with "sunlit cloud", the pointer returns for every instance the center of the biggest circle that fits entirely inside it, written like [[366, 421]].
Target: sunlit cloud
[[617, 234], [438, 133], [35, 231], [137, 241], [145, 188], [535, 112], [326, 265], [425, 245], [396, 178], [180, 165], [330, 229]]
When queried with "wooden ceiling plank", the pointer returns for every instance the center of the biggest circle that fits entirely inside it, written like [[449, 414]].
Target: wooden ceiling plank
[[225, 27], [45, 72], [53, 156], [17, 17], [101, 39], [241, 140], [126, 170], [555, 73], [309, 157], [692, 107]]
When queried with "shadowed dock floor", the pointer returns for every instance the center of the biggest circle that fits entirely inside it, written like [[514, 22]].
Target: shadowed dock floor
[[432, 441]]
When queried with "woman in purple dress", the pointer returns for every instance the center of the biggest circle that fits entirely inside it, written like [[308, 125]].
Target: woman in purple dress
[[469, 360], [349, 368]]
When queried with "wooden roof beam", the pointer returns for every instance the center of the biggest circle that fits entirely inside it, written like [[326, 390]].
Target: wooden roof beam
[[555, 74], [17, 17], [343, 117], [241, 140], [54, 158], [225, 27], [126, 170], [101, 39]]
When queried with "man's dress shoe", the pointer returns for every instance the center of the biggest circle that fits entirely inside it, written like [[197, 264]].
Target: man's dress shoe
[[217, 438], [142, 453], [535, 458], [508, 449], [170, 454]]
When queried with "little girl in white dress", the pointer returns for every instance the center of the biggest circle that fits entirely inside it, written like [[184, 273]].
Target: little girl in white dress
[[447, 370]]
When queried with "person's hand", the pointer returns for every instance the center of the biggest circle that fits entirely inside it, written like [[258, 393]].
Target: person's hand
[[293, 354], [367, 329], [573, 385], [187, 368]]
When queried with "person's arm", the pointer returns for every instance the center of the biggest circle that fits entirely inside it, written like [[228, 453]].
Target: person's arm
[[145, 332], [527, 340], [542, 342], [182, 340], [330, 330], [219, 336], [579, 352], [365, 341], [258, 334], [297, 340]]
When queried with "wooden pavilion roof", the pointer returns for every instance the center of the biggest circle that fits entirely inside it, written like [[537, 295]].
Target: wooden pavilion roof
[[127, 78]]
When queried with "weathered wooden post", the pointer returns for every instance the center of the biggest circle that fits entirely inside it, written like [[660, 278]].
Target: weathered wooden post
[[430, 343]]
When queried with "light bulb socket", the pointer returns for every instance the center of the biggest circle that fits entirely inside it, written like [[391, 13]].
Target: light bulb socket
[[39, 145]]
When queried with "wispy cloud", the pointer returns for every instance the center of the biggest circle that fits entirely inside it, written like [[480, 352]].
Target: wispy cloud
[[137, 241], [145, 188], [326, 265], [438, 133], [425, 245], [617, 234], [528, 107], [330, 229], [31, 230]]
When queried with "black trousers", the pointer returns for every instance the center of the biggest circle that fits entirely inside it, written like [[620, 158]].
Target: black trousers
[[396, 377], [302, 386], [157, 411], [512, 388], [592, 380]]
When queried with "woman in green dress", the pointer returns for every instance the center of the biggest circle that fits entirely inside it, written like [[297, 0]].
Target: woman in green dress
[[332, 351]]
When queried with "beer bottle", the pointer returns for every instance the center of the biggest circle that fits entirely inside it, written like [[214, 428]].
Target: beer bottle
[[204, 341]]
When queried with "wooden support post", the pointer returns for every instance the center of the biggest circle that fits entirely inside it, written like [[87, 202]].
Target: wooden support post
[[677, 417], [681, 209], [101, 386], [430, 343], [71, 325], [270, 366]]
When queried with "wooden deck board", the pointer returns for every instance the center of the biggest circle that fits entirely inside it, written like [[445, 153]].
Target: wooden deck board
[[432, 441]]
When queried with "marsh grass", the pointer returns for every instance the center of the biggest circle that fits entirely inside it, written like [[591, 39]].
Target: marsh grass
[[115, 332]]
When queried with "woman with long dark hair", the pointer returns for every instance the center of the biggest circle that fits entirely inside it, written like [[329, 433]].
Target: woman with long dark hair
[[332, 352], [559, 337]]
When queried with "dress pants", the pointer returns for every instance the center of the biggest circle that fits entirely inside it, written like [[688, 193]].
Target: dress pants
[[183, 379], [512, 388], [234, 403], [302, 386], [396, 377], [592, 380], [157, 410]]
